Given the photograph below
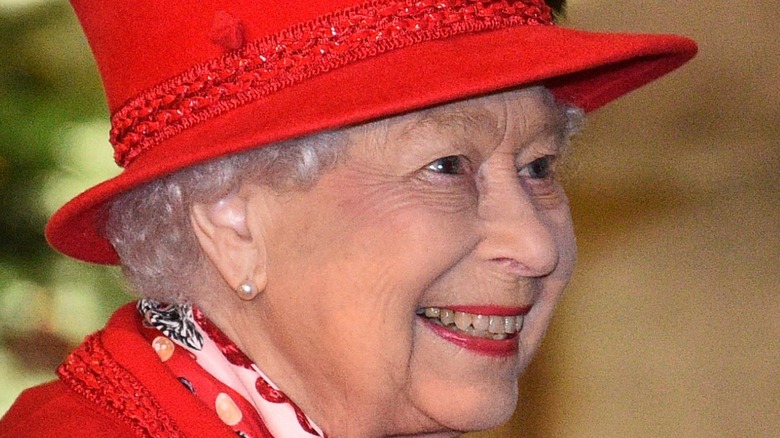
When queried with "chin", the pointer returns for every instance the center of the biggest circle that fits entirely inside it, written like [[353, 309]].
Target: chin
[[469, 408]]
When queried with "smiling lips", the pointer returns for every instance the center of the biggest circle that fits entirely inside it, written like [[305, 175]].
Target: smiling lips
[[491, 332]]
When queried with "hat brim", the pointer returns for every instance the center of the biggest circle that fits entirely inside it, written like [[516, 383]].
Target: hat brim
[[585, 69]]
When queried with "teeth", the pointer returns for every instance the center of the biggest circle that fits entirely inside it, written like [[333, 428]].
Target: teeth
[[462, 320], [496, 324], [446, 316], [481, 322], [509, 324], [483, 326]]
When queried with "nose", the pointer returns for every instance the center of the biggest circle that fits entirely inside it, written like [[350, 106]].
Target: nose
[[517, 236]]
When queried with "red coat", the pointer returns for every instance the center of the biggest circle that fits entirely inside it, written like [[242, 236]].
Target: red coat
[[113, 385]]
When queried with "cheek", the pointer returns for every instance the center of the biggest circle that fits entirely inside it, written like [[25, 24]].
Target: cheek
[[563, 230], [559, 222], [420, 227], [552, 286], [363, 264], [548, 195]]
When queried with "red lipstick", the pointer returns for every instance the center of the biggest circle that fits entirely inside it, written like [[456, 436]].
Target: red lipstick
[[482, 346], [491, 310]]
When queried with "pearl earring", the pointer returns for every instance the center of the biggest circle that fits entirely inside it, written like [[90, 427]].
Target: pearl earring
[[247, 290]]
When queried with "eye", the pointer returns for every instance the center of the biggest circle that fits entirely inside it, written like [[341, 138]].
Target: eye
[[538, 169], [450, 165]]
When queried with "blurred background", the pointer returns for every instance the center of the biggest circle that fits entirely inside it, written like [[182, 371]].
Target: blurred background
[[671, 326]]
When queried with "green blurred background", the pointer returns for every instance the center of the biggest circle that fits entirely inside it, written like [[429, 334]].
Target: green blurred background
[[671, 325]]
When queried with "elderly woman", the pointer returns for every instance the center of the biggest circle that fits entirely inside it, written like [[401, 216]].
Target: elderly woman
[[342, 218]]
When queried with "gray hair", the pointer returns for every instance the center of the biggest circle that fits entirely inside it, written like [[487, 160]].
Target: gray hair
[[149, 226]]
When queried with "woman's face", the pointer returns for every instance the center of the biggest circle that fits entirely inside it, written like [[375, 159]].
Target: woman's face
[[376, 275]]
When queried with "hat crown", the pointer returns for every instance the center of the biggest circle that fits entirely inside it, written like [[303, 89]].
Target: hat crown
[[141, 43], [173, 97]]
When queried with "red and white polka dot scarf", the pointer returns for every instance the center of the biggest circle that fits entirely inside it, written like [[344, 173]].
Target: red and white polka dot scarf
[[220, 375]]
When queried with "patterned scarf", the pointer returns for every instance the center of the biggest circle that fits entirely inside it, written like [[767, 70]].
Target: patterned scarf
[[220, 375]]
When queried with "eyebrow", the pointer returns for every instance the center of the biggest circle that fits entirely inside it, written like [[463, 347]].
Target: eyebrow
[[561, 120], [465, 120]]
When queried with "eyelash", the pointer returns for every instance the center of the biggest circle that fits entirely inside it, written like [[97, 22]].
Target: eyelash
[[540, 168], [444, 165]]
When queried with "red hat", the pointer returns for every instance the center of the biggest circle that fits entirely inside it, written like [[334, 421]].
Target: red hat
[[188, 81]]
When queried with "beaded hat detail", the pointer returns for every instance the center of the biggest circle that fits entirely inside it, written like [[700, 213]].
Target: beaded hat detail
[[189, 81]]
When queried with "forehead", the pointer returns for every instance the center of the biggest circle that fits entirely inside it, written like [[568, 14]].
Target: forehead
[[531, 104], [520, 113]]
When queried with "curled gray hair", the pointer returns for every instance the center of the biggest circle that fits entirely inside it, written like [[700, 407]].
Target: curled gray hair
[[149, 227]]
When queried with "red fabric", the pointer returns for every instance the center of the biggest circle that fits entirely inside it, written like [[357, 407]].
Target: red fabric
[[141, 44], [292, 56], [206, 387], [52, 410], [70, 407]]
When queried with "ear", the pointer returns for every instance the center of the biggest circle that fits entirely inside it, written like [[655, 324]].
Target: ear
[[236, 249]]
